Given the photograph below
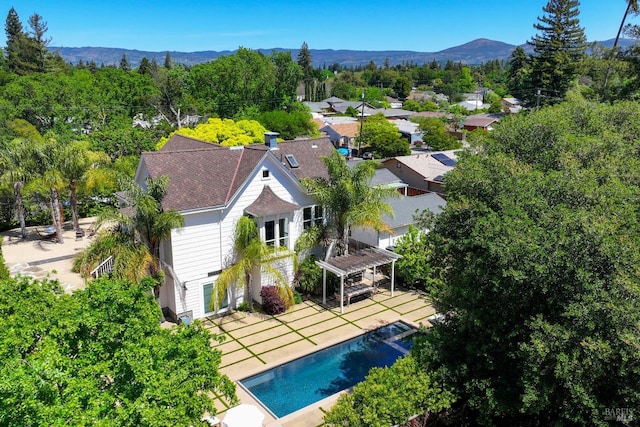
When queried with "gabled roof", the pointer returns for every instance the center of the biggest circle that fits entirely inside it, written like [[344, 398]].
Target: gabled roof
[[424, 164], [201, 178], [181, 143], [346, 129], [481, 120], [211, 175], [268, 203], [307, 152]]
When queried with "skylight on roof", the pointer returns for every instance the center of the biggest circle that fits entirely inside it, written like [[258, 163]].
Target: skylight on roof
[[292, 160]]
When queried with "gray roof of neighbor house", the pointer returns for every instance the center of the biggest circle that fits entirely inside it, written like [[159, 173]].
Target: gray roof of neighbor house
[[210, 175], [405, 208], [384, 176]]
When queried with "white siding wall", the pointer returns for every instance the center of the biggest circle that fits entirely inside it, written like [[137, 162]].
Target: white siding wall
[[204, 245]]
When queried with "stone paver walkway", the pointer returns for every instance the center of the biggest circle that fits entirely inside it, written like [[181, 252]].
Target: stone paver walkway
[[256, 342]]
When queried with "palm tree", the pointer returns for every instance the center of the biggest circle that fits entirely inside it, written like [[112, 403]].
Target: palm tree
[[133, 240], [249, 254], [18, 163], [75, 161], [17, 167], [349, 200], [632, 7]]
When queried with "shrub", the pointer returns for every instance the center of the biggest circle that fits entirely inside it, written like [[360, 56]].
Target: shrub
[[272, 302], [244, 306], [297, 298], [4, 272], [309, 276]]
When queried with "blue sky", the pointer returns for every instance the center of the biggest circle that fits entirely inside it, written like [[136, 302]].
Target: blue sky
[[196, 25]]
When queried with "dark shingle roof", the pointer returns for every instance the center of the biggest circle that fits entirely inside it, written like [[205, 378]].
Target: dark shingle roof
[[308, 153], [268, 203], [208, 175], [181, 143], [201, 178]]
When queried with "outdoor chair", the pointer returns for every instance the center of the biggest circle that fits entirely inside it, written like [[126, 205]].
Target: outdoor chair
[[79, 233], [47, 233]]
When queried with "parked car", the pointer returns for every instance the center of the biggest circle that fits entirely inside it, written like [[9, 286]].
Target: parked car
[[367, 155]]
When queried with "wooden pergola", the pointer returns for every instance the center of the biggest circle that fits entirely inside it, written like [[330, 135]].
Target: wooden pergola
[[344, 265]]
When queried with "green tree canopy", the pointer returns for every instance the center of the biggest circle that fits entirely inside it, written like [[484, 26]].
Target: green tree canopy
[[225, 132], [389, 396], [435, 134], [383, 137], [538, 249], [100, 356]]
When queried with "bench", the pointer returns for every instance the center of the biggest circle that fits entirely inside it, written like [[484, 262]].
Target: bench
[[355, 290]]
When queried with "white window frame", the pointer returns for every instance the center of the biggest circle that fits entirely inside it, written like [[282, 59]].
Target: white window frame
[[316, 216]]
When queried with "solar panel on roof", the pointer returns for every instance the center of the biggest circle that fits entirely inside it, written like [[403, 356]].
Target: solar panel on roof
[[444, 159], [292, 160]]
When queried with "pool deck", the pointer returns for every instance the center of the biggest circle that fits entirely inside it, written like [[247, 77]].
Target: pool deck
[[255, 342]]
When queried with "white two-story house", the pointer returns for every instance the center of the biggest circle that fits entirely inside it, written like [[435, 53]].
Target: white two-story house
[[212, 187]]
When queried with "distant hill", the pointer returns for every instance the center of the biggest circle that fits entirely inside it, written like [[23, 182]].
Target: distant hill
[[475, 52]]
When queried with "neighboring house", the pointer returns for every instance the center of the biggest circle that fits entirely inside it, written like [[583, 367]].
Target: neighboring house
[[423, 172], [212, 187], [511, 105], [409, 130], [393, 102], [474, 104], [481, 121], [404, 209], [342, 134], [318, 107]]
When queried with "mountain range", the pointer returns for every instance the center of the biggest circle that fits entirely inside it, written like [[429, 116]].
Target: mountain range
[[475, 52]]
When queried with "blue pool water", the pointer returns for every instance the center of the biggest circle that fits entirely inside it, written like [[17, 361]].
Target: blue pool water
[[304, 381]]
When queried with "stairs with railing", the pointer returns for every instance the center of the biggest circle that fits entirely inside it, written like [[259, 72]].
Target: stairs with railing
[[105, 267]]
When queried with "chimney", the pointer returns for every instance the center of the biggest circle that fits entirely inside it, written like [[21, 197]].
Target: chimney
[[270, 139]]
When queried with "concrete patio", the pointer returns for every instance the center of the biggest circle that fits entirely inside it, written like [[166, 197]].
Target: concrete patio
[[255, 342]]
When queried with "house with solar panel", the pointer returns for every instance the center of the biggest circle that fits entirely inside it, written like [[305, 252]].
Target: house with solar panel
[[423, 172], [212, 187]]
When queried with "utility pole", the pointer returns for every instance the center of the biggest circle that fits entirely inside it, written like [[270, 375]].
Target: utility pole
[[361, 123]]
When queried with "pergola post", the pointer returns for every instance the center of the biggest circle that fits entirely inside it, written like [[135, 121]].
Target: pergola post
[[324, 285], [341, 294], [393, 275]]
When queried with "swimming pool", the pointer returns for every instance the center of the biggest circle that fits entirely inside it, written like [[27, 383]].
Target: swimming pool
[[304, 381]]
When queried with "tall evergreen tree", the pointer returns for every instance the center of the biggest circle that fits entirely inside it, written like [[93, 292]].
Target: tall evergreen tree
[[519, 71], [167, 61], [124, 63], [15, 39], [38, 41], [145, 66], [558, 47], [305, 61]]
